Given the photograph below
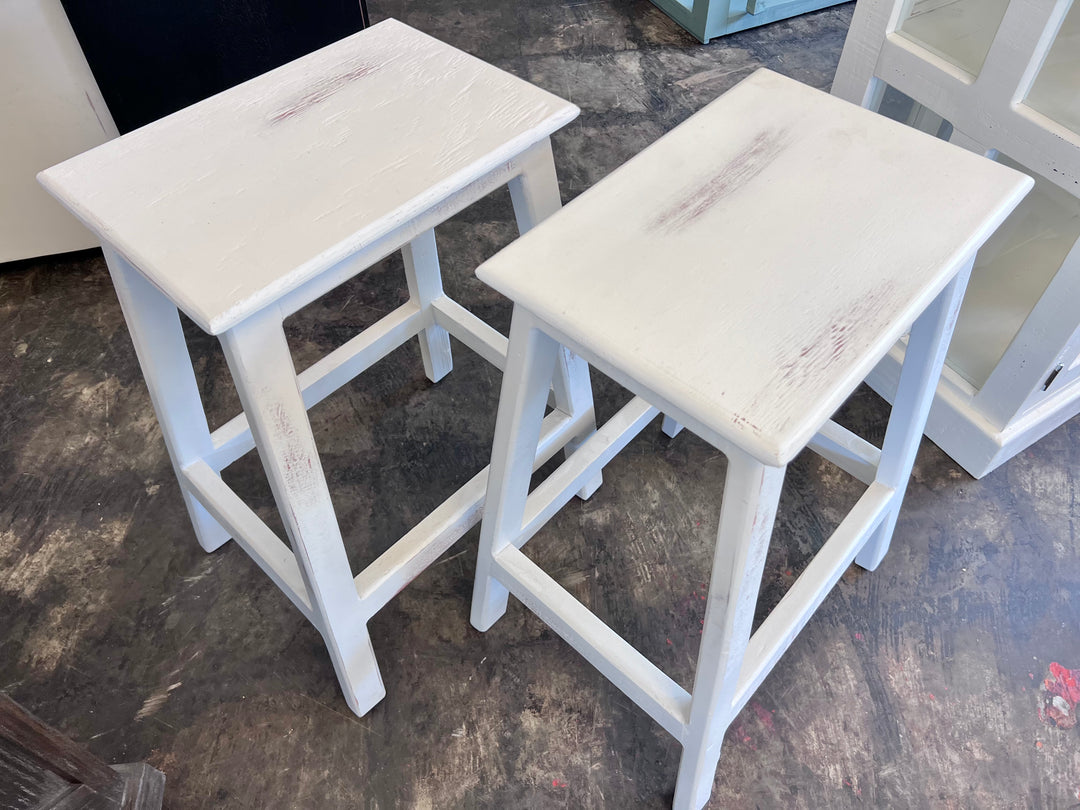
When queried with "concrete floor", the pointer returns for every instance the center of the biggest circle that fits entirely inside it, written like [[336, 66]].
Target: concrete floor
[[915, 686]]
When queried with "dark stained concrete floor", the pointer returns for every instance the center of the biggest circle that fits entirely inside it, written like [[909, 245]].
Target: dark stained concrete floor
[[916, 686]]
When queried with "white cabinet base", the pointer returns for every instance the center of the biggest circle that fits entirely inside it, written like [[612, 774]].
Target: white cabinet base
[[958, 427], [1005, 75]]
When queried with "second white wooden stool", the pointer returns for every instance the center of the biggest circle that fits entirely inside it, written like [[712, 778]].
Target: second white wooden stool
[[840, 231]]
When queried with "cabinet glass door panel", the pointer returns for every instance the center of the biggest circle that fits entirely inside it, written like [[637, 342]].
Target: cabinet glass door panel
[[959, 31], [1012, 270], [1056, 91]]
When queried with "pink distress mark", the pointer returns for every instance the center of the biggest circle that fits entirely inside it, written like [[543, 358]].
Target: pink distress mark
[[739, 171], [320, 91]]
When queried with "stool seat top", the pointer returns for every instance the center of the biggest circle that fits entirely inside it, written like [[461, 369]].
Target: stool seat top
[[753, 265], [233, 202]]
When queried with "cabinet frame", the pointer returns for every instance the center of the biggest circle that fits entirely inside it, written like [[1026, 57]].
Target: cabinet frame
[[1035, 385]]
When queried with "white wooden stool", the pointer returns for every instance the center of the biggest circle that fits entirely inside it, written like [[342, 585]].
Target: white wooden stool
[[246, 207], [742, 275]]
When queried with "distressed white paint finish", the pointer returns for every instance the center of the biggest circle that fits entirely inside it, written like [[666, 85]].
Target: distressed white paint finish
[[52, 109], [810, 344], [155, 330], [293, 171], [752, 347], [244, 208], [1008, 88]]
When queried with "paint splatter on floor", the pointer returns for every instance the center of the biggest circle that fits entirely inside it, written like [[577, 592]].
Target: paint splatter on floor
[[1060, 694]]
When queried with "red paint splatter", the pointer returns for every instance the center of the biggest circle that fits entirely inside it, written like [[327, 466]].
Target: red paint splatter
[[762, 715], [738, 729], [932, 696], [668, 640], [555, 783], [1061, 693], [858, 636], [1038, 744]]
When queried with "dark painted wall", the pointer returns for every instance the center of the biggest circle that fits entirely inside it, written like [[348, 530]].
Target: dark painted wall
[[153, 57]]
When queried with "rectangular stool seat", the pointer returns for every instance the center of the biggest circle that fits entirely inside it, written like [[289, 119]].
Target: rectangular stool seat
[[240, 198], [753, 265]]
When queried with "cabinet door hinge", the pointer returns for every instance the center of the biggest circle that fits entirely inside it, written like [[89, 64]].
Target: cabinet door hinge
[[1052, 377]]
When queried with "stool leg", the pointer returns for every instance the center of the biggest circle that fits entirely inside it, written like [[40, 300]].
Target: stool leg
[[535, 195], [925, 355], [525, 384], [154, 324], [262, 369], [751, 494], [573, 396], [424, 278], [670, 427]]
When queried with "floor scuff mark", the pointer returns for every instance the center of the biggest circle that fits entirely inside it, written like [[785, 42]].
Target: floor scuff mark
[[154, 703]]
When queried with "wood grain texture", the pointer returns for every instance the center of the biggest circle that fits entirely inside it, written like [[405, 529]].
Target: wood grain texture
[[850, 223], [275, 180], [41, 769], [65, 758]]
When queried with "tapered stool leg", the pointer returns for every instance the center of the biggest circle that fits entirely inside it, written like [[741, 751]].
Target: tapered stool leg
[[925, 355], [262, 369], [154, 324], [751, 494], [535, 195], [525, 386], [424, 278]]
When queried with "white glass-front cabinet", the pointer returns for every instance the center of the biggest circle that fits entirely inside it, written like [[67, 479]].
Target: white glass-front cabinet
[[1001, 77]]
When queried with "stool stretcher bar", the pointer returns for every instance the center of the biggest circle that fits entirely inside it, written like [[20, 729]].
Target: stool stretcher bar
[[835, 443], [806, 594], [233, 439], [585, 463], [486, 341], [274, 557], [848, 451], [661, 698], [639, 679], [396, 567], [380, 581], [352, 264]]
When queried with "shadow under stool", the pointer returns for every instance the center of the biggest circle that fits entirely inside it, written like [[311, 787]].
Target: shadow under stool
[[246, 207], [742, 275]]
